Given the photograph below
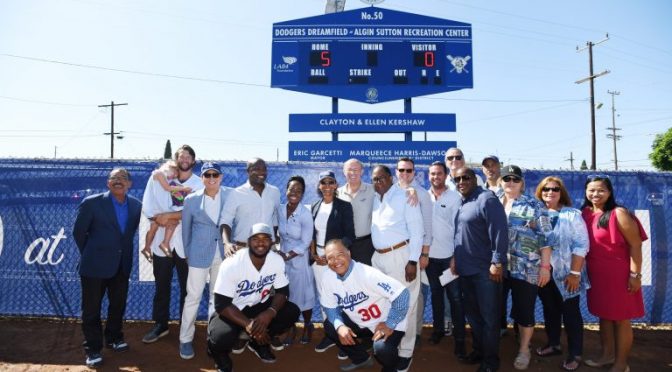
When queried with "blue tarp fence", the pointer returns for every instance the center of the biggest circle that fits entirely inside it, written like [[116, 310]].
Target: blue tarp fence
[[39, 199]]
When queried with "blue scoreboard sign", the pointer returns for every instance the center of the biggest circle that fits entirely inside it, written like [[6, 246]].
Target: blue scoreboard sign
[[372, 55]]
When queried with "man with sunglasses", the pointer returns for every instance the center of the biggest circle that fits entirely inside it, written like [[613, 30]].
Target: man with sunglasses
[[203, 248], [397, 234], [163, 265], [406, 181], [481, 243], [455, 161]]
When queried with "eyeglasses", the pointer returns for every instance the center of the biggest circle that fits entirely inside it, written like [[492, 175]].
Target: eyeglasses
[[459, 179], [211, 175], [402, 170], [513, 179], [454, 157], [327, 182], [547, 189], [378, 179]]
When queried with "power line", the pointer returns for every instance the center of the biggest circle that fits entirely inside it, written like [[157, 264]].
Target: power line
[[45, 102], [131, 71]]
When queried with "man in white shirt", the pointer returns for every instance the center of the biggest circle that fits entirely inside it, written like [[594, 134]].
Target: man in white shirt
[[445, 206], [360, 301], [360, 195], [185, 157], [203, 248], [455, 161], [397, 234], [253, 202], [251, 295]]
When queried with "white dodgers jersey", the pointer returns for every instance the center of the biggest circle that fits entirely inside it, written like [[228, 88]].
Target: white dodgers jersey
[[240, 280], [365, 296]]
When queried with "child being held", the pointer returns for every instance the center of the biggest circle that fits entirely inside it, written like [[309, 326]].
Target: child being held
[[169, 199]]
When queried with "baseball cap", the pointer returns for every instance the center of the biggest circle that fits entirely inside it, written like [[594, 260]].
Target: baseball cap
[[490, 157], [261, 228], [208, 165], [512, 170], [327, 174]]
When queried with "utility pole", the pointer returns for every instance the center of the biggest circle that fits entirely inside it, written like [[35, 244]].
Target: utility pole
[[571, 161], [112, 133], [591, 77], [613, 128]]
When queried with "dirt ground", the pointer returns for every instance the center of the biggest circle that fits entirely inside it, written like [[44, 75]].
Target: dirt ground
[[55, 345]]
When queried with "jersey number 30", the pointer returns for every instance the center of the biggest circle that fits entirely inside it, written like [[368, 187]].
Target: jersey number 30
[[371, 312]]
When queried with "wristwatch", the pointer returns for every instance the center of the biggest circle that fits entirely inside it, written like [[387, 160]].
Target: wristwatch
[[635, 275]]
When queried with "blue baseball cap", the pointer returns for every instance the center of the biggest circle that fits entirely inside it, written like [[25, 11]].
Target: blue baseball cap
[[327, 174], [490, 157], [208, 165]]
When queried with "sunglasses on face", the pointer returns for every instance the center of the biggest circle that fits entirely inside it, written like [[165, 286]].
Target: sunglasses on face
[[459, 179], [211, 175], [547, 189], [378, 179], [511, 178], [402, 170], [454, 157], [327, 183]]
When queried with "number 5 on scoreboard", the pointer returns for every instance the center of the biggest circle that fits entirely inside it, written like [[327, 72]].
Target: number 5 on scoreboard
[[371, 312]]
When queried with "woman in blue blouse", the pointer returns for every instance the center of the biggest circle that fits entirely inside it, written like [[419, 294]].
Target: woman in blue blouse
[[560, 298], [295, 227], [529, 254]]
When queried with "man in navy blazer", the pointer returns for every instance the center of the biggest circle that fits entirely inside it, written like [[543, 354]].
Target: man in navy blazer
[[203, 248], [104, 231]]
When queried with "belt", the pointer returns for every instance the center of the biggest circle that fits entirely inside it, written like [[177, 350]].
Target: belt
[[363, 238], [390, 249], [241, 244]]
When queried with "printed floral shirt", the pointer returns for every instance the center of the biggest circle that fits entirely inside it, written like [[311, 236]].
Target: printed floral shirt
[[570, 235], [529, 230]]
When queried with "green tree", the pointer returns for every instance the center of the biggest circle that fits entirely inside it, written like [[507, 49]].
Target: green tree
[[661, 157], [168, 152], [584, 166]]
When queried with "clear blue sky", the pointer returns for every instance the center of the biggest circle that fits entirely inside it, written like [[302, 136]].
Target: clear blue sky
[[198, 72]]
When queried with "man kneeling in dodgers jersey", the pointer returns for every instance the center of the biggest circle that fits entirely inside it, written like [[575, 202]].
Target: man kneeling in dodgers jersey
[[360, 301], [243, 300]]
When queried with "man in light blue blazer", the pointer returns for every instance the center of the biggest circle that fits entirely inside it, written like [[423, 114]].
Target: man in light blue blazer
[[203, 248]]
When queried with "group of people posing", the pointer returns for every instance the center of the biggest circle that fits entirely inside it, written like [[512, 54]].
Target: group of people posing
[[359, 252]]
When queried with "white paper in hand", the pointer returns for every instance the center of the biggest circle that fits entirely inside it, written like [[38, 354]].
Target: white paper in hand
[[447, 277]]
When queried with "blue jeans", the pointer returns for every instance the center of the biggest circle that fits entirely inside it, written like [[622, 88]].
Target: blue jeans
[[434, 270], [482, 304], [386, 352]]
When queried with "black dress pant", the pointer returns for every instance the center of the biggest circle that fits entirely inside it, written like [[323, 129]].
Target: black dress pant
[[93, 290], [362, 250], [163, 279], [557, 310], [223, 333]]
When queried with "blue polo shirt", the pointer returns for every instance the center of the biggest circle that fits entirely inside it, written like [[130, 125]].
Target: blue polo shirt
[[121, 211], [481, 233]]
